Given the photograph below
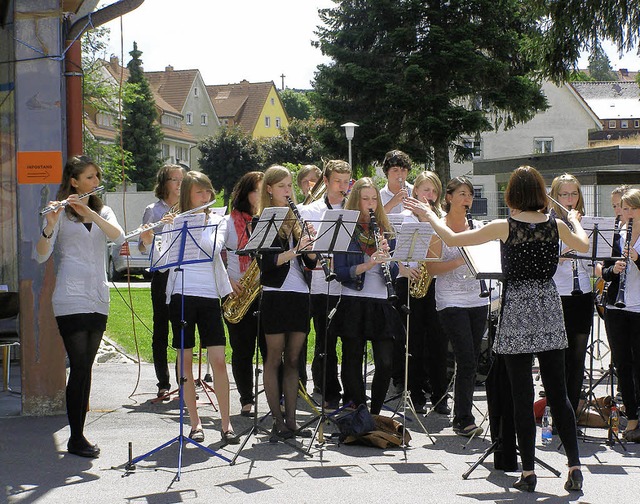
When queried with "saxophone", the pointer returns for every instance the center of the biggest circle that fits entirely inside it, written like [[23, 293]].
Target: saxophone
[[234, 308]]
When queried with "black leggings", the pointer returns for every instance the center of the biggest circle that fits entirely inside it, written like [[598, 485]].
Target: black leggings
[[552, 372], [81, 347]]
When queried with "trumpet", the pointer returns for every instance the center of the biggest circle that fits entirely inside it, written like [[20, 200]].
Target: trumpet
[[65, 202], [386, 273], [620, 299], [328, 274], [153, 225]]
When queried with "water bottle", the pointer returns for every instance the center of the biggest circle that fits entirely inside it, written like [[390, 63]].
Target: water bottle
[[546, 426], [614, 419]]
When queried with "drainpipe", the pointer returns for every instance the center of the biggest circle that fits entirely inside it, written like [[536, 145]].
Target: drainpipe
[[73, 66]]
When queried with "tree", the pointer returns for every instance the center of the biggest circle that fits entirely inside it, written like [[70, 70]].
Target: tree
[[298, 144], [227, 156], [600, 66], [420, 76], [296, 104], [140, 134]]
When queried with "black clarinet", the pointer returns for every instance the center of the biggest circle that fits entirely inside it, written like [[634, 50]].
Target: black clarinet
[[388, 281], [574, 268], [484, 290], [620, 303], [328, 274]]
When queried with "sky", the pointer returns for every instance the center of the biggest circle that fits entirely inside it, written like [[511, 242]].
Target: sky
[[231, 40], [227, 40]]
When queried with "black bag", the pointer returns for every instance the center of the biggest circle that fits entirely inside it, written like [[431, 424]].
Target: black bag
[[356, 423]]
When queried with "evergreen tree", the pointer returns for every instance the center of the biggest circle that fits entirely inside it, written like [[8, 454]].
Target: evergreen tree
[[227, 156], [420, 76], [140, 134], [600, 65], [297, 104]]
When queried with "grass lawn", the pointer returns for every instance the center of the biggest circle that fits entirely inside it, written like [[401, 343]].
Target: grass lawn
[[121, 323]]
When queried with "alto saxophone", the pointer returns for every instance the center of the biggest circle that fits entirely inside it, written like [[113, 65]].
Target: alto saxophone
[[234, 308]]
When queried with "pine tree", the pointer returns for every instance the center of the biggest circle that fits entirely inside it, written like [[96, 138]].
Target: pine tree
[[140, 134], [600, 65]]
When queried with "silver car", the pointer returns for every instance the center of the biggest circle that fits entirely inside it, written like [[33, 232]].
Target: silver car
[[126, 256]]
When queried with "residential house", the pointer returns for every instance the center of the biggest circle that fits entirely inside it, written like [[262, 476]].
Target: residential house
[[255, 107], [185, 91], [617, 105]]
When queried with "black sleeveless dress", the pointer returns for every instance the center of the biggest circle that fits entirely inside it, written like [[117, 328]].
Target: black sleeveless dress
[[531, 320]]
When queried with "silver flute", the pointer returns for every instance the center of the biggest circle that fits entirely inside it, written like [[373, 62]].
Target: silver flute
[[65, 202]]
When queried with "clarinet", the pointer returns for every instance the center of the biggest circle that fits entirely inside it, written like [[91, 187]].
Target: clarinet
[[484, 291], [620, 303], [388, 281], [574, 269], [328, 274]]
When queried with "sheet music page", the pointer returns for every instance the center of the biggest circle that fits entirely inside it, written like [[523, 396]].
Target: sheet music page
[[221, 211], [484, 259], [278, 214], [604, 237], [192, 251], [396, 220], [412, 242], [327, 228]]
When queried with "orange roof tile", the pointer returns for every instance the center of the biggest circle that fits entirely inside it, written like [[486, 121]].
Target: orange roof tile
[[172, 85]]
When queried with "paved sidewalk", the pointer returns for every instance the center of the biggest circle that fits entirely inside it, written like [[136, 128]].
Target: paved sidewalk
[[34, 465]]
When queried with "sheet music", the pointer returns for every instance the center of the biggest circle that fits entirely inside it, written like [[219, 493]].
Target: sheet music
[[278, 214], [484, 260], [171, 240], [396, 220], [412, 242], [221, 211], [327, 229], [604, 236]]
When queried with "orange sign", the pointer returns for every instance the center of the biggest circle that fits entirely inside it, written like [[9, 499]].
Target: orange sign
[[39, 167]]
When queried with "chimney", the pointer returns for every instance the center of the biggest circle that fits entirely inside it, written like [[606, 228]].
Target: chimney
[[114, 61], [168, 68]]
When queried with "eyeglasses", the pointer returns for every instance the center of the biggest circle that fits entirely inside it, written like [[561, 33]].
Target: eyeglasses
[[569, 194], [179, 180]]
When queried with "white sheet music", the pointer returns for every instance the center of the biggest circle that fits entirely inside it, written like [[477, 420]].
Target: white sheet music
[[221, 211], [170, 244], [327, 228], [604, 236], [396, 220], [412, 242], [278, 214], [484, 260]]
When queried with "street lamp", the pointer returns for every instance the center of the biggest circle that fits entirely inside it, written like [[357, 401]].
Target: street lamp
[[349, 130]]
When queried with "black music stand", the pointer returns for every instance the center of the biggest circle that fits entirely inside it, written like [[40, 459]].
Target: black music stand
[[334, 235], [182, 248], [412, 244], [263, 235], [595, 228]]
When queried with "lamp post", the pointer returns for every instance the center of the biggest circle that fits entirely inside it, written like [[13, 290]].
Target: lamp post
[[349, 130]]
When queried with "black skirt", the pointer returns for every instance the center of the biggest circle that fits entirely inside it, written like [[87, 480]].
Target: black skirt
[[282, 312], [368, 318], [578, 313], [69, 324]]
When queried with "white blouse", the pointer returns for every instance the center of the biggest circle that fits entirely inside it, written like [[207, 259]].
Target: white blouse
[[81, 279]]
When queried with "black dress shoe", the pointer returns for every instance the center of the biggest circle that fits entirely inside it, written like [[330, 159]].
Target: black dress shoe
[[230, 437], [442, 408], [526, 484], [83, 449], [574, 481]]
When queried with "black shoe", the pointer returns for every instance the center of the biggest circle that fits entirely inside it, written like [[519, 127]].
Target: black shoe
[[246, 412], [526, 484], [442, 408], [230, 437], [164, 393], [303, 433], [421, 408], [277, 435], [574, 481], [208, 378], [83, 449]]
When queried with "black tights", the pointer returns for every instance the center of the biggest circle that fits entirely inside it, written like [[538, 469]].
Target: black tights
[[552, 372], [81, 347], [574, 366]]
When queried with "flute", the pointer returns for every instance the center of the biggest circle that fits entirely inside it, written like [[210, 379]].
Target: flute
[[620, 299], [328, 274], [388, 281], [65, 202], [484, 290], [153, 225]]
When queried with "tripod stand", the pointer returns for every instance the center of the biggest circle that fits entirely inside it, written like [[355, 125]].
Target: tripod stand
[[182, 249]]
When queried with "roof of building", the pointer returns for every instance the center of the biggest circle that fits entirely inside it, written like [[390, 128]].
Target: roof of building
[[172, 85], [611, 100], [243, 101]]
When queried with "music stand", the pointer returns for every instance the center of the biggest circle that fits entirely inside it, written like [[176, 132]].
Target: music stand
[[412, 245], [180, 247], [334, 234]]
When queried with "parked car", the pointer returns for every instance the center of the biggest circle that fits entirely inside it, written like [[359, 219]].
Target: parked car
[[127, 255]]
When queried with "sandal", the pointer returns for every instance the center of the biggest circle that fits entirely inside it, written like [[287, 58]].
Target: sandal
[[230, 437], [468, 431], [197, 435], [280, 435]]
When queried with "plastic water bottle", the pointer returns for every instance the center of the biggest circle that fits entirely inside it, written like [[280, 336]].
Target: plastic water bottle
[[614, 419], [547, 434]]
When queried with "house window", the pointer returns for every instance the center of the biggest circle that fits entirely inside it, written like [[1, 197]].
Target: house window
[[636, 123], [273, 101], [267, 122], [189, 118], [165, 151], [104, 120], [195, 91], [624, 124], [475, 145], [204, 120], [612, 124], [278, 123], [542, 145]]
